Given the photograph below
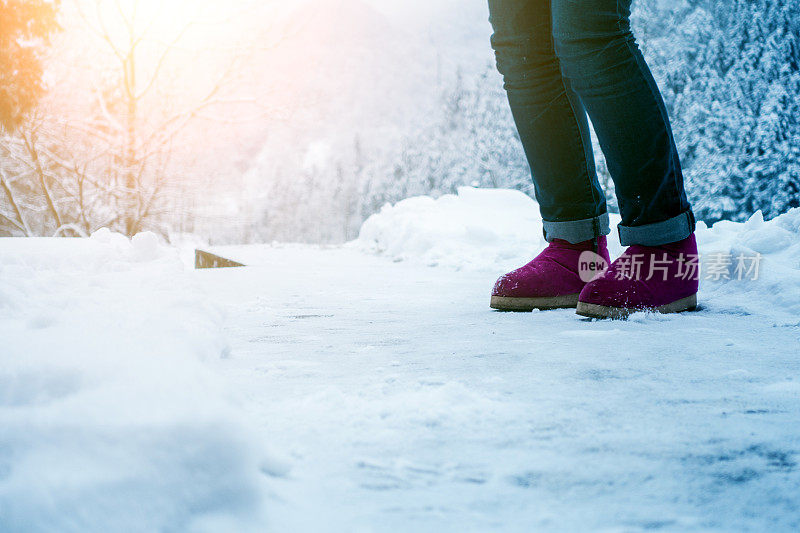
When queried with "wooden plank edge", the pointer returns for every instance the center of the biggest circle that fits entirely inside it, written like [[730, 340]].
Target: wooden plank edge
[[203, 259]]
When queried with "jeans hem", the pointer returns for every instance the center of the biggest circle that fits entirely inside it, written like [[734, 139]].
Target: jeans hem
[[671, 230], [575, 231]]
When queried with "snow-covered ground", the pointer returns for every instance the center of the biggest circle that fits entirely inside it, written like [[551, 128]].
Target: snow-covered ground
[[359, 388], [111, 418]]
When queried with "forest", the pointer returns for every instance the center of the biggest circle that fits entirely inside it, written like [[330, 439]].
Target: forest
[[133, 116]]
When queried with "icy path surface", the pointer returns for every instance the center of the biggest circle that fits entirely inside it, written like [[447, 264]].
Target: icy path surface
[[403, 403]]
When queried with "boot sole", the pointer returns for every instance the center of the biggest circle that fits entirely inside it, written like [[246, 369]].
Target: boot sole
[[602, 311], [505, 303]]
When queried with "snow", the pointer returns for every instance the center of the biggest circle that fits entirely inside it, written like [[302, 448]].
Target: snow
[[476, 229], [775, 295], [109, 418], [357, 388], [405, 404]]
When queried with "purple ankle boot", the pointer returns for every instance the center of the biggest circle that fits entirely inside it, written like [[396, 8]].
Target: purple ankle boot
[[662, 278], [554, 279]]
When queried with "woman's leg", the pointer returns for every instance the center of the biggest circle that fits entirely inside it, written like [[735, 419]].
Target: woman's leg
[[551, 121], [600, 59]]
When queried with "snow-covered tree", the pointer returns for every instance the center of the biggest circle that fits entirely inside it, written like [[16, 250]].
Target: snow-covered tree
[[730, 71], [472, 141], [100, 149], [24, 35]]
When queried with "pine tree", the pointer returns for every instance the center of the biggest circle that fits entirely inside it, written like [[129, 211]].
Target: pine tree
[[730, 76]]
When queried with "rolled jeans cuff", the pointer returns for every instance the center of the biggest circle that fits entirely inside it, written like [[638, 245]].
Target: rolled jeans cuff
[[671, 230], [575, 231]]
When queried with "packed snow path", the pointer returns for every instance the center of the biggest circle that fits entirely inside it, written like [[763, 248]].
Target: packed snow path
[[402, 403]]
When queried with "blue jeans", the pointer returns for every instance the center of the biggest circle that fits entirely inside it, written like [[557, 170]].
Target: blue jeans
[[562, 59]]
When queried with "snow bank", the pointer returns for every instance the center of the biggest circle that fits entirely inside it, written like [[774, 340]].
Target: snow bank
[[494, 229], [773, 288], [476, 229], [109, 418]]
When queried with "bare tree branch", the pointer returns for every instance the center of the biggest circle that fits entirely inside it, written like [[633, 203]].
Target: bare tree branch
[[30, 144], [20, 223]]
